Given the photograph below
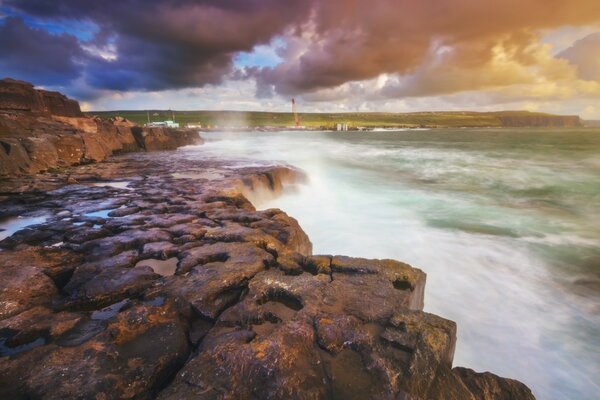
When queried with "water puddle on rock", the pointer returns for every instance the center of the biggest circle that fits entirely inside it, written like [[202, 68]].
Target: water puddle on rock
[[11, 225], [6, 350], [98, 214], [114, 184], [155, 302], [102, 213], [161, 267], [110, 311], [208, 175]]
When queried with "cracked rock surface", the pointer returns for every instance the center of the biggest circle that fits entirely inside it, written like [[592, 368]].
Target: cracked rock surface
[[153, 276]]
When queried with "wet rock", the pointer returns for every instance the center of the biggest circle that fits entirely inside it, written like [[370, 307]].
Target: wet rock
[[37, 322], [248, 313], [92, 287], [213, 277], [489, 386], [160, 249], [24, 287], [132, 357]]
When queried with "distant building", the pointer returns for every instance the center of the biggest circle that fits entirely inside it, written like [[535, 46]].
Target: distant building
[[341, 127], [163, 124]]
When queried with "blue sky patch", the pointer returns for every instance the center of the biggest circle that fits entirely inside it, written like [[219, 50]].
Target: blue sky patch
[[83, 30], [260, 56]]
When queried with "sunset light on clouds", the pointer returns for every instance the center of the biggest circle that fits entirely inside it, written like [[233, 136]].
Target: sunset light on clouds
[[335, 55]]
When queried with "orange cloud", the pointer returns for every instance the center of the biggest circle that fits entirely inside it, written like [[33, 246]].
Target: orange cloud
[[444, 45]]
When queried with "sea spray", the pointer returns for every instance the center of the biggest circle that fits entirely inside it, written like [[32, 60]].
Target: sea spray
[[504, 222]]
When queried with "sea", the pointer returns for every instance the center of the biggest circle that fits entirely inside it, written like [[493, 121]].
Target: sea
[[505, 222]]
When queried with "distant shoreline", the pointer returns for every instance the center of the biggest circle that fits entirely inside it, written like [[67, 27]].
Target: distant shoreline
[[355, 121]]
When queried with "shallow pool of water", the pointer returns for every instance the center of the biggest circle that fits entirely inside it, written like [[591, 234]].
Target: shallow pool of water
[[11, 225], [161, 267], [114, 184]]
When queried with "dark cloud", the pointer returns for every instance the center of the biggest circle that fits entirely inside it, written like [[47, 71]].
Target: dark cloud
[[161, 44], [585, 54], [167, 44], [37, 56]]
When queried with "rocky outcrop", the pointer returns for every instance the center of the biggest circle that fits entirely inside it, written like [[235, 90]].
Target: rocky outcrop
[[22, 96], [173, 286], [41, 131]]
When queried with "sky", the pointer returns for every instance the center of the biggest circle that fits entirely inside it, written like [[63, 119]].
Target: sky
[[331, 55]]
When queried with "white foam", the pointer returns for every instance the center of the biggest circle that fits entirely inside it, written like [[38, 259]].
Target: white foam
[[368, 196]]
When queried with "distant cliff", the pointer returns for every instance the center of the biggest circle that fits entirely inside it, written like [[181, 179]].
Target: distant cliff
[[525, 119], [354, 120], [42, 130]]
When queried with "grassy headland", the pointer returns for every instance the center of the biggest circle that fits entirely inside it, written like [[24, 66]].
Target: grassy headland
[[254, 119]]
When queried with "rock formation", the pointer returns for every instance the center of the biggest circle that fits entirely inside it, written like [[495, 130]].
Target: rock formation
[[41, 130], [154, 277], [177, 288], [22, 96]]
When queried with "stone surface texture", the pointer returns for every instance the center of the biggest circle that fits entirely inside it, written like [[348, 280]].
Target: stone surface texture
[[249, 312]]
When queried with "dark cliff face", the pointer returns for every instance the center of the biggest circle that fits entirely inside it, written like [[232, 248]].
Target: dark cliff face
[[22, 96], [42, 130]]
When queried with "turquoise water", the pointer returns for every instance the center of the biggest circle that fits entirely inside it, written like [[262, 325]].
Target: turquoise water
[[506, 224]]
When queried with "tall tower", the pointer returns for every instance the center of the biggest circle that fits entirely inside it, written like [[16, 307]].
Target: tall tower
[[295, 112]]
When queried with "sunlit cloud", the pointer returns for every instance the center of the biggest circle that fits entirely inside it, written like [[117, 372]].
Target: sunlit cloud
[[334, 55]]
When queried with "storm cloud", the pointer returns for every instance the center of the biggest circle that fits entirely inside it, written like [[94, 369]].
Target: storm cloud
[[427, 47], [34, 53], [446, 42], [158, 44]]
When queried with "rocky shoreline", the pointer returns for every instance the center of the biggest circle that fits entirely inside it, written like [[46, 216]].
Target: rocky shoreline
[[151, 275], [43, 131]]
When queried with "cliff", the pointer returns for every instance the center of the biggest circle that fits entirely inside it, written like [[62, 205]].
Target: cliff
[[523, 119], [41, 131], [22, 96]]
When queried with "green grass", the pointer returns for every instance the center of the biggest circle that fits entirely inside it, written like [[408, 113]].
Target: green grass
[[320, 120]]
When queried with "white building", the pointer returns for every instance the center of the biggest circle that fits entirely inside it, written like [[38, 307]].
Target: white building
[[163, 124]]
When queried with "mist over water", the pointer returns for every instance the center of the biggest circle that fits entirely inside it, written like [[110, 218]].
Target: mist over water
[[506, 224]]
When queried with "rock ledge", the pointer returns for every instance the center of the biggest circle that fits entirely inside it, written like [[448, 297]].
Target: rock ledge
[[142, 283]]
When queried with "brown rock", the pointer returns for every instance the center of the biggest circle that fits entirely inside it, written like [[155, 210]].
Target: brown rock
[[42, 130], [249, 313], [133, 356]]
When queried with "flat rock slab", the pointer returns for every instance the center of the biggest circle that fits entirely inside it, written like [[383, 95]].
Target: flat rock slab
[[245, 311]]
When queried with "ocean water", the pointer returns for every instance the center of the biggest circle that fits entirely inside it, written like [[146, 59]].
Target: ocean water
[[505, 222]]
